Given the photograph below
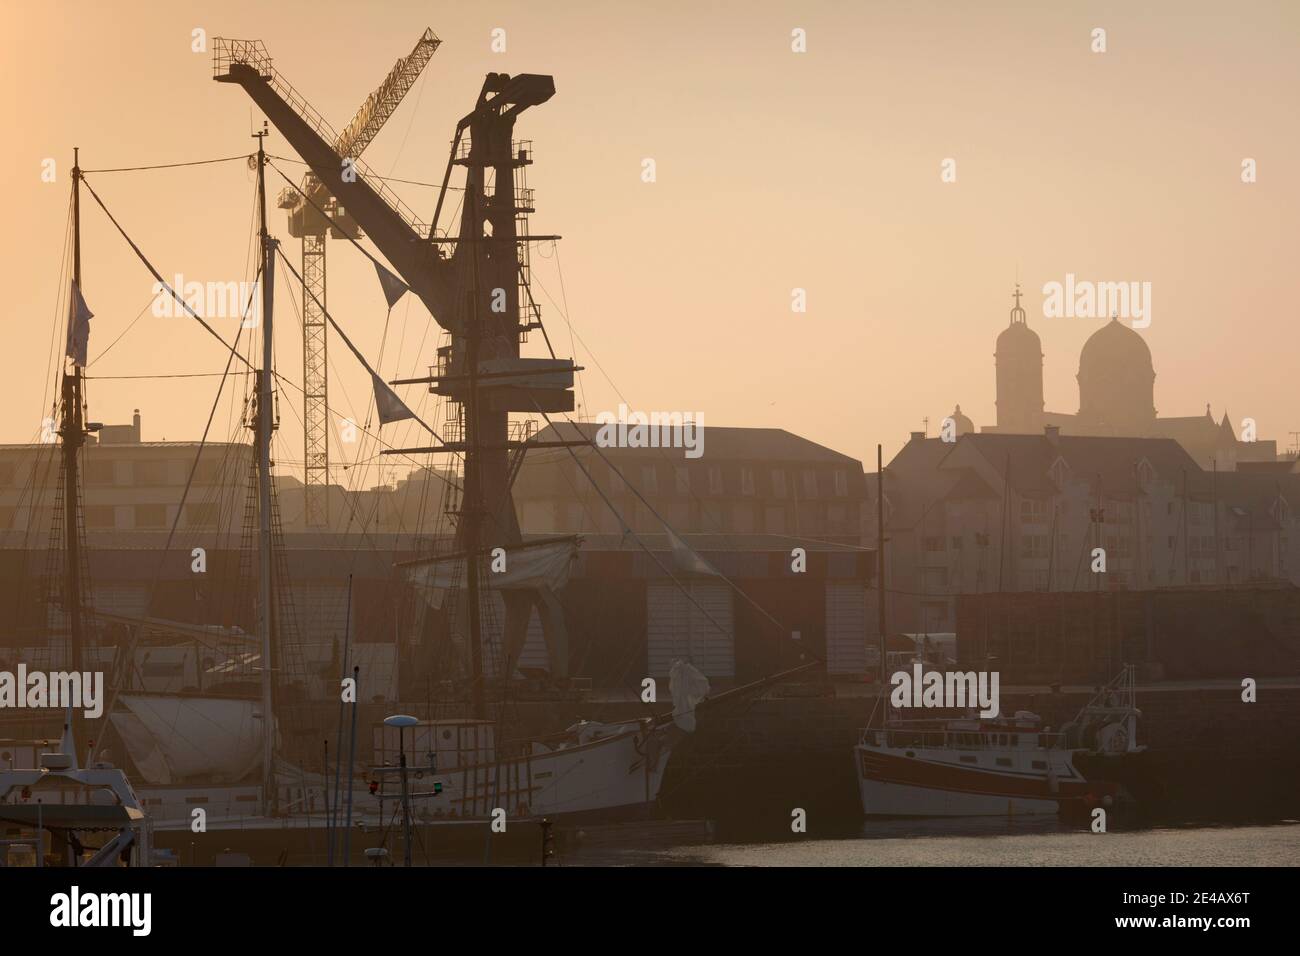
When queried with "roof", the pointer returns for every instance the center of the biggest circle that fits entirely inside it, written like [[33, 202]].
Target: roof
[[921, 474], [719, 442]]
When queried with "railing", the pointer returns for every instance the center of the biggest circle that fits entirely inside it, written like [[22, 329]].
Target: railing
[[226, 53], [521, 150], [959, 740]]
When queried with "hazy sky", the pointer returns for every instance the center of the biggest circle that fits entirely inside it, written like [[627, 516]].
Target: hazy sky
[[775, 170]]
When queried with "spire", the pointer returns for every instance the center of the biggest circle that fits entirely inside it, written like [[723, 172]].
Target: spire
[[1017, 313]]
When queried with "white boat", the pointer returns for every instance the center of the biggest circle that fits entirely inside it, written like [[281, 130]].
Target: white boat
[[54, 813], [994, 767], [594, 771], [965, 768]]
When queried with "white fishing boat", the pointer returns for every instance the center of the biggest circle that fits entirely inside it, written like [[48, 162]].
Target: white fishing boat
[[995, 767]]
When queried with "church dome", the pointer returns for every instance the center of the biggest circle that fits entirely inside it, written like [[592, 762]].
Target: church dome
[[961, 424], [1117, 381], [1115, 348], [1018, 339]]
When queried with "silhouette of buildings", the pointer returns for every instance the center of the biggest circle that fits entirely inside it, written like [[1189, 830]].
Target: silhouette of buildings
[[1116, 396]]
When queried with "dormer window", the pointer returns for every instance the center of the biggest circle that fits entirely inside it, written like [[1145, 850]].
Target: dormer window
[[1146, 474]]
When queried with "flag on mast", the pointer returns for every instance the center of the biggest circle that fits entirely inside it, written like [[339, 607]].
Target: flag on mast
[[79, 317], [389, 407], [394, 288]]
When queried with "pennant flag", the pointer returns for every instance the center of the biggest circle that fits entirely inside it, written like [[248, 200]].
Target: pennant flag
[[79, 317], [394, 288], [387, 404], [686, 559]]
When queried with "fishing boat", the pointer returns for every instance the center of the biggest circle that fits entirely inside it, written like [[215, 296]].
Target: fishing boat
[[995, 767]]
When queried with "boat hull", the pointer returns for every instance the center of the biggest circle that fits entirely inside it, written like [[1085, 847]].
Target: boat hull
[[930, 785]]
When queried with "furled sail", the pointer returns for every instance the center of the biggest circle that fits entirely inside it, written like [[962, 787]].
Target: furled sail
[[175, 738], [536, 564]]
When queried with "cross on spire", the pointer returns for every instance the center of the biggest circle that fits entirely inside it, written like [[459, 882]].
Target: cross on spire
[[1017, 313]]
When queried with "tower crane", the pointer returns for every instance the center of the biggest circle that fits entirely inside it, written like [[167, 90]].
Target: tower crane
[[306, 222]]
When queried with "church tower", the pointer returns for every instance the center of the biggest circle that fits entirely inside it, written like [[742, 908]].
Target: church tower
[[1019, 363]]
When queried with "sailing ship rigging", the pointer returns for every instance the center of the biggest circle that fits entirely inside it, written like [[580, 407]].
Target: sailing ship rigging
[[477, 597]]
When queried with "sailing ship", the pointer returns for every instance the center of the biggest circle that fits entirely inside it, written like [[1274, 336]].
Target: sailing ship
[[229, 753]]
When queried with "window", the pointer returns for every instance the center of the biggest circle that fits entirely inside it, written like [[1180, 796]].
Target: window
[[150, 472], [715, 480], [778, 483], [1004, 761], [935, 578], [99, 516], [841, 483], [743, 519], [208, 471], [774, 520], [682, 479], [932, 544], [1033, 511], [7, 517], [150, 516], [202, 515], [747, 481], [956, 542], [99, 472], [967, 758], [1039, 764], [1033, 546], [809, 483]]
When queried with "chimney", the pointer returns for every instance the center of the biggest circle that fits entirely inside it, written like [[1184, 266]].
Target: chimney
[[135, 425], [917, 436], [1053, 433]]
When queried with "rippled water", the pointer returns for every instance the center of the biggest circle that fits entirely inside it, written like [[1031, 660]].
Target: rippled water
[[992, 843]]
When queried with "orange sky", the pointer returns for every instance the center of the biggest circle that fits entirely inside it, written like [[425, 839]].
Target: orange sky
[[775, 170]]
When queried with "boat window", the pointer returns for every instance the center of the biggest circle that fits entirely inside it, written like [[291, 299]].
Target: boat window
[[1040, 764], [1004, 761], [967, 759]]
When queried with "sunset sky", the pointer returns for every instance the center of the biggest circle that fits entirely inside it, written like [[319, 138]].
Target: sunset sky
[[775, 170]]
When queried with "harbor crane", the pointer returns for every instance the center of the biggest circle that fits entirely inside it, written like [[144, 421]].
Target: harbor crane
[[474, 283], [314, 214]]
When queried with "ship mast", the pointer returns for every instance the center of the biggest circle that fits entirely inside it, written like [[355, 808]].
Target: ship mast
[[472, 506], [73, 436], [263, 426]]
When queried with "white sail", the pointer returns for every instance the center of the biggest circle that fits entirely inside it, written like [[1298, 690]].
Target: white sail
[[192, 736], [525, 567]]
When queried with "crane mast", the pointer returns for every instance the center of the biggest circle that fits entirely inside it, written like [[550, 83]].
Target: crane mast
[[315, 215], [478, 281]]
